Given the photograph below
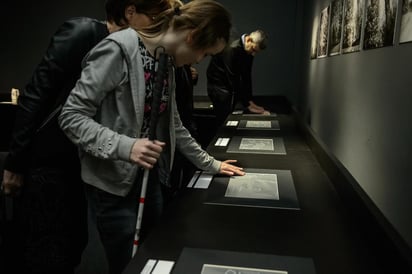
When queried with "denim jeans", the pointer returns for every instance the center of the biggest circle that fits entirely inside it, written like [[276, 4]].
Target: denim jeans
[[115, 218]]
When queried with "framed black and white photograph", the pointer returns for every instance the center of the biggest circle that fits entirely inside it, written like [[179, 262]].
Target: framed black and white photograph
[[323, 33], [314, 39], [352, 25], [406, 22], [335, 29], [380, 23]]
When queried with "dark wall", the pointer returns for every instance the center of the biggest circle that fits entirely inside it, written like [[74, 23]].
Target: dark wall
[[359, 106], [274, 69], [27, 28], [28, 31]]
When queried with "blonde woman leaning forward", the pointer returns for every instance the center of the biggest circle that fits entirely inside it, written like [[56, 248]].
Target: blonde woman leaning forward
[[107, 115]]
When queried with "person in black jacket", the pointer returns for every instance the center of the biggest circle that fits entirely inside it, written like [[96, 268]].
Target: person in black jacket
[[229, 76], [42, 168]]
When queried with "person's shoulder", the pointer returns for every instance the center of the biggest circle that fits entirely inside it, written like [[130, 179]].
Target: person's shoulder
[[127, 39], [84, 21], [125, 33], [83, 25], [236, 43]]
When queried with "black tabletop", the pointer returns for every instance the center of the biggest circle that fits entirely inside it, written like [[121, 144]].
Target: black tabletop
[[319, 230]]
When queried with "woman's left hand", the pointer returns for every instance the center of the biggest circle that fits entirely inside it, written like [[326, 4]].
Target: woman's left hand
[[226, 168]]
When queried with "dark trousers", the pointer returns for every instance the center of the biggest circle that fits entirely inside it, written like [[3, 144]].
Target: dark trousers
[[115, 218], [51, 219], [222, 101]]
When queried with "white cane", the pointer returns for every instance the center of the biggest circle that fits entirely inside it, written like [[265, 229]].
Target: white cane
[[140, 211], [157, 94]]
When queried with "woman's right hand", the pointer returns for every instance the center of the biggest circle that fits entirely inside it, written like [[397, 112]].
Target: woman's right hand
[[12, 183], [145, 152]]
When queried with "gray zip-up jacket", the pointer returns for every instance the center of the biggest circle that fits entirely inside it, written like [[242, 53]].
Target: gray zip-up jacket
[[103, 115]]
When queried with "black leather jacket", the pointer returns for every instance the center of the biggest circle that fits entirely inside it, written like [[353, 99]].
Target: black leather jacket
[[231, 72], [35, 143]]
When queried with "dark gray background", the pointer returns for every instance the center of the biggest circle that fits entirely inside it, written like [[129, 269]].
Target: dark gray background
[[357, 104]]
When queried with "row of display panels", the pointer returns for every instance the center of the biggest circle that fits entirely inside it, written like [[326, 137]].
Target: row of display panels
[[259, 188]]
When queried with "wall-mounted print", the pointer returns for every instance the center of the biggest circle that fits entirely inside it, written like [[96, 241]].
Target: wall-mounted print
[[314, 41], [380, 23], [406, 22], [335, 29], [323, 32], [352, 25]]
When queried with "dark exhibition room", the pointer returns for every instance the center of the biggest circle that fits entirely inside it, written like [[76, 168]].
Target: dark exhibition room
[[206, 137]]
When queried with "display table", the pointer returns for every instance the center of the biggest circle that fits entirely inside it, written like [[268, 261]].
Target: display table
[[314, 237]]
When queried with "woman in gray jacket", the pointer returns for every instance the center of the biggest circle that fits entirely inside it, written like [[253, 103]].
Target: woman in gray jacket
[[107, 115]]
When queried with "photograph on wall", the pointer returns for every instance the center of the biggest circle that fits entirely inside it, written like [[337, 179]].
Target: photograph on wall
[[323, 33], [314, 41], [380, 23], [352, 25], [335, 29], [406, 22]]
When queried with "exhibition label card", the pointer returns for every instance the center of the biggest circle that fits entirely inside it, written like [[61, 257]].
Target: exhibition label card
[[158, 267], [232, 123], [204, 180], [222, 142]]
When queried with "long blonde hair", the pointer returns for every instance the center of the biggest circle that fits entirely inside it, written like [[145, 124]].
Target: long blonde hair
[[210, 20]]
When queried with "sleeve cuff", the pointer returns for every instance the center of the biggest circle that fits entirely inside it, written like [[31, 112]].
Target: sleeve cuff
[[125, 147]]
